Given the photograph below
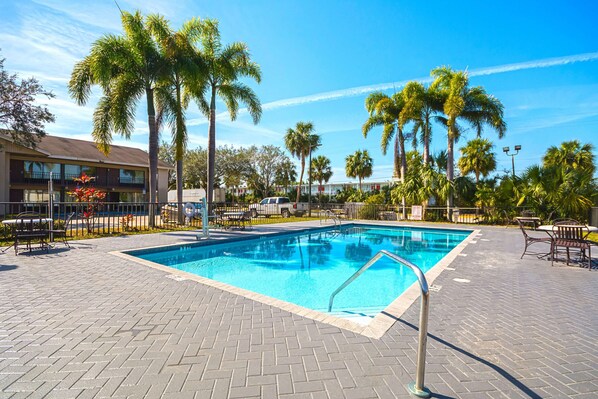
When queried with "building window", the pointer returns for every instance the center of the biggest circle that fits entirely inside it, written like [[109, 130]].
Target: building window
[[39, 196], [131, 197], [129, 176], [71, 172], [34, 170], [88, 170], [41, 170]]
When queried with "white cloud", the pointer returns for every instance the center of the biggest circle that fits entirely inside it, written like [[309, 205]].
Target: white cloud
[[104, 15]]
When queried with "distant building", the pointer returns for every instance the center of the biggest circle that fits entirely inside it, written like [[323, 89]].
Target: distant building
[[327, 188], [25, 172], [332, 188]]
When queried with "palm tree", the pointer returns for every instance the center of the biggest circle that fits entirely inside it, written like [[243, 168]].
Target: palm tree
[[301, 142], [126, 67], [572, 155], [386, 111], [286, 175], [422, 104], [477, 157], [185, 71], [321, 172], [439, 161], [471, 104], [359, 165], [390, 113], [225, 65]]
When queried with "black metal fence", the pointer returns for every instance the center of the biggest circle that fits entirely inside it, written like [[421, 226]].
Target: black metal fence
[[117, 217]]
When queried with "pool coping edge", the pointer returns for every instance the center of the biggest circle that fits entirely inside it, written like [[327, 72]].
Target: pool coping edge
[[376, 328]]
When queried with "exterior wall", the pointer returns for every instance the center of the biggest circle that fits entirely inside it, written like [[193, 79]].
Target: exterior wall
[[4, 175]]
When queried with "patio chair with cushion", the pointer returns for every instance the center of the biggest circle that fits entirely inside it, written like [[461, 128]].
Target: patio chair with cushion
[[571, 236], [529, 240], [62, 233]]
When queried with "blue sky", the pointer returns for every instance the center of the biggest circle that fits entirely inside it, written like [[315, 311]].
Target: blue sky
[[320, 59]]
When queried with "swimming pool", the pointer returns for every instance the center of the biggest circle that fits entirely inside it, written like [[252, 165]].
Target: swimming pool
[[305, 268]]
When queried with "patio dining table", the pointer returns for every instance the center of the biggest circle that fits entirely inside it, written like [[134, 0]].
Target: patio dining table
[[12, 224]]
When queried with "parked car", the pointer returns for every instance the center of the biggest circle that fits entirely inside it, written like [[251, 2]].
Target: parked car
[[277, 206]]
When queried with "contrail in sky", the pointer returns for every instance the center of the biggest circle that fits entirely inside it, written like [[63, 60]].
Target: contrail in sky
[[356, 91], [360, 90]]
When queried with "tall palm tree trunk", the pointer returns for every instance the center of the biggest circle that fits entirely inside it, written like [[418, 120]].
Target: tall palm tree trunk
[[426, 137], [153, 155], [179, 189], [359, 183], [300, 179], [403, 168], [211, 151], [179, 157], [426, 156], [397, 155], [450, 173]]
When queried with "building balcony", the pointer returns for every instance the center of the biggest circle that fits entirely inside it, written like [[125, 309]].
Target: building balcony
[[38, 178]]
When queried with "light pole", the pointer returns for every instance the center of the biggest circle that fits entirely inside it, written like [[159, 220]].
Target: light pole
[[506, 150]]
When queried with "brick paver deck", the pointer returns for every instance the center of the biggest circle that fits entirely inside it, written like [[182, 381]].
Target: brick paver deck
[[83, 323]]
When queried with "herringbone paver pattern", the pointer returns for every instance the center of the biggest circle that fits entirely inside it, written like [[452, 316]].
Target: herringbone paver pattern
[[82, 323]]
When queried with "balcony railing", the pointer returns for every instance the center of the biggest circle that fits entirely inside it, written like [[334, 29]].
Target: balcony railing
[[36, 177], [100, 181]]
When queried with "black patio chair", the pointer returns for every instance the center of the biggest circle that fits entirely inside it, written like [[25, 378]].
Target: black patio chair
[[30, 227], [246, 219], [566, 221], [529, 240], [571, 236], [62, 233]]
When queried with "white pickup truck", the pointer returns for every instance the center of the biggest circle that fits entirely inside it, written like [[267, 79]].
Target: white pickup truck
[[277, 206]]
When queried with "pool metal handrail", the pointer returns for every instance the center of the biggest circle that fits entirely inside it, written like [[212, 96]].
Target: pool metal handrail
[[331, 215], [415, 388]]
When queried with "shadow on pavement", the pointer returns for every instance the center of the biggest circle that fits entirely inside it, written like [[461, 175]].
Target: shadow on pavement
[[505, 374]]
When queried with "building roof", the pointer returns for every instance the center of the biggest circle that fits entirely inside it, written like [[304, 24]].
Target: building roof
[[82, 150]]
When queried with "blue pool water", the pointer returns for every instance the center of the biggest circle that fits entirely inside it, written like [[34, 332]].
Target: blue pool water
[[306, 268]]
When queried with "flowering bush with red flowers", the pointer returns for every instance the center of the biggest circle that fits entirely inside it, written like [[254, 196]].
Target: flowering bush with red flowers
[[90, 195]]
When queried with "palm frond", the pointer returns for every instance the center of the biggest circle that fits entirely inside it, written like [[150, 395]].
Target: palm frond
[[102, 125], [387, 135], [81, 81]]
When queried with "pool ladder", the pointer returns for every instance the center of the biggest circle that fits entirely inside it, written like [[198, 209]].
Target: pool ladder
[[331, 215], [415, 388]]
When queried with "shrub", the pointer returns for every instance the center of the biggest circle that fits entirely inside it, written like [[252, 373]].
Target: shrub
[[369, 212]]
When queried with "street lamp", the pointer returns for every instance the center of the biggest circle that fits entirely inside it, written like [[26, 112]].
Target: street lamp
[[506, 151]]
